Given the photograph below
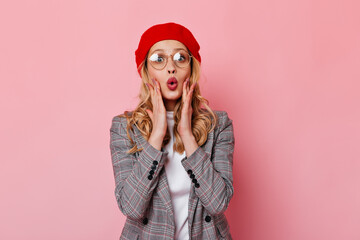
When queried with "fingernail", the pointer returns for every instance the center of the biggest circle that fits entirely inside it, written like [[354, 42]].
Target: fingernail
[[147, 85], [153, 81]]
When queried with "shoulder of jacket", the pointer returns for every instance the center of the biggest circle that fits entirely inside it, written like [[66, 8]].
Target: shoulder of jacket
[[223, 115], [121, 119], [223, 120], [220, 113]]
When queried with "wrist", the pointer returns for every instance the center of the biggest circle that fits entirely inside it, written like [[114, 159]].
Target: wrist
[[156, 141], [190, 143], [157, 135], [188, 135]]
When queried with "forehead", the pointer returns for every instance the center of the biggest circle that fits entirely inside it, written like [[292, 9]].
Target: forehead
[[167, 45]]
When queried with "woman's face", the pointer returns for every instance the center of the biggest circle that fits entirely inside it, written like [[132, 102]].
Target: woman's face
[[170, 92]]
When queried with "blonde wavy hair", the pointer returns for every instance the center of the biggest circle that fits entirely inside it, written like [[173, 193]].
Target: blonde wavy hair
[[203, 120]]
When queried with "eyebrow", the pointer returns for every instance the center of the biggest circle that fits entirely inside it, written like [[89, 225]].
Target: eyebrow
[[159, 49]]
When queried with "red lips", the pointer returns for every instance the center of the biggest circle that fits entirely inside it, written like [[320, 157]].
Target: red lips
[[172, 83]]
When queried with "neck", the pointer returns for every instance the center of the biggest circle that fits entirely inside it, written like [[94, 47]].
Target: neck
[[169, 105]]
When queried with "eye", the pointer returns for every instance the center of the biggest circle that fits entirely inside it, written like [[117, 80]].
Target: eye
[[156, 58], [179, 57]]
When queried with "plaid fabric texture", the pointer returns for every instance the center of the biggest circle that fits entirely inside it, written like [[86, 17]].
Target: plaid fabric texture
[[144, 197]]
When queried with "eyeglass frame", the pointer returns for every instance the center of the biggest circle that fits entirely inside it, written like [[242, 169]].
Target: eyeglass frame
[[167, 56]]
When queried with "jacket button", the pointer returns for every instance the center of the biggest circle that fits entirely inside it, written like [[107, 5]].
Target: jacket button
[[151, 172], [207, 218], [145, 221], [189, 171], [192, 176], [150, 177], [155, 162], [194, 180], [197, 185], [153, 167]]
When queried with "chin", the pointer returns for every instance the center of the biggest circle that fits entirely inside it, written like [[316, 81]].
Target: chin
[[172, 96]]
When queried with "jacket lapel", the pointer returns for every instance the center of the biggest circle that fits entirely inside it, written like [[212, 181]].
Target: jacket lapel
[[163, 186], [193, 199], [164, 193]]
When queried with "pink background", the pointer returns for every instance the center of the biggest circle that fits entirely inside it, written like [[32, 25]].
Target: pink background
[[287, 72]]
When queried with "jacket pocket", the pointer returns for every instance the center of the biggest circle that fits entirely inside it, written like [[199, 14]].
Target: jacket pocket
[[222, 228], [129, 234], [223, 235]]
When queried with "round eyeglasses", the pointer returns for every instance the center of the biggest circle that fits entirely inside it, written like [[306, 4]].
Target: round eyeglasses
[[159, 60]]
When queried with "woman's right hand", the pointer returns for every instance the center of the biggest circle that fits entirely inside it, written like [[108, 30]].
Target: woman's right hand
[[158, 115]]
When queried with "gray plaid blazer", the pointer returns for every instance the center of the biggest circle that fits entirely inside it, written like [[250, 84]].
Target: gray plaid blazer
[[142, 191]]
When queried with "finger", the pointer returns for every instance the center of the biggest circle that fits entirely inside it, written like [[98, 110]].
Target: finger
[[151, 88], [184, 91], [158, 97], [154, 86], [193, 87], [161, 101], [189, 96], [188, 86], [150, 114], [158, 87], [153, 94], [192, 91]]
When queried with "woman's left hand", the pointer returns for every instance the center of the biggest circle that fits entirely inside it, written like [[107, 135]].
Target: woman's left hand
[[184, 126]]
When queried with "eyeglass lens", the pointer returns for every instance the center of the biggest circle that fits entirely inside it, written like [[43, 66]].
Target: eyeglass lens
[[158, 60]]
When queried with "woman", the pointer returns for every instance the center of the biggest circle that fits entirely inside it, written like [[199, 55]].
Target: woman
[[172, 158]]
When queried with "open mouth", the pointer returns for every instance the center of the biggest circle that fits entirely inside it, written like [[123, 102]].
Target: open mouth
[[172, 83]]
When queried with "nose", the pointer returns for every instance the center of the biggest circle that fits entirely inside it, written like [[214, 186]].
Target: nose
[[170, 67]]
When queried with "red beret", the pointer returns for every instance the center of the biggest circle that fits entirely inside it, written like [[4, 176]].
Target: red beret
[[166, 31]]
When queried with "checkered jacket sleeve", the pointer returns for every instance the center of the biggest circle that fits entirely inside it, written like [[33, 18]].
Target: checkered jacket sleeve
[[213, 174], [133, 188]]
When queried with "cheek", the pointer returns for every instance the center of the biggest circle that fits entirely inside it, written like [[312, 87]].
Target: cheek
[[151, 72], [154, 73], [186, 72]]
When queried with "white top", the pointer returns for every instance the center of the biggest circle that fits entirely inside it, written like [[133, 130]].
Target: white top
[[179, 184]]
